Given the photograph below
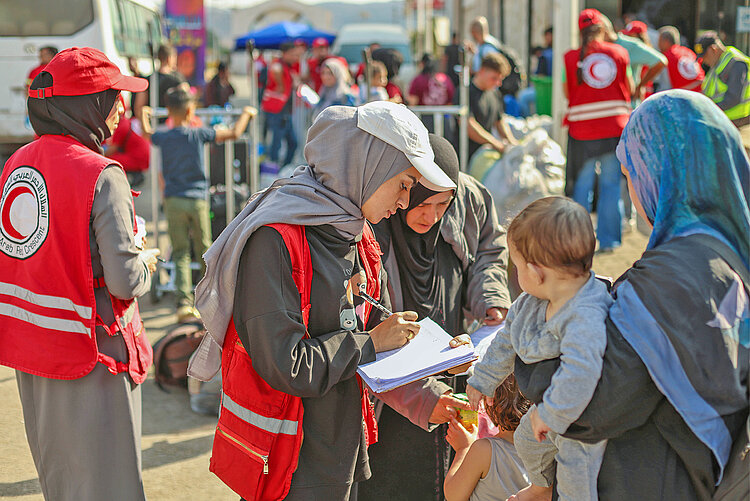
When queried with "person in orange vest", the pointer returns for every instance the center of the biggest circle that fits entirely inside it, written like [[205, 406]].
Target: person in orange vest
[[277, 102], [598, 85], [682, 64], [290, 332], [71, 268]]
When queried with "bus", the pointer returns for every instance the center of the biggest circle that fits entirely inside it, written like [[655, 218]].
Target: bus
[[119, 28]]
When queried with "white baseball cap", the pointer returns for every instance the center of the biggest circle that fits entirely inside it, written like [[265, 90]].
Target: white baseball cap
[[396, 125]]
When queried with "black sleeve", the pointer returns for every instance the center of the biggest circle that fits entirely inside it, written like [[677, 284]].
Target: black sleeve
[[269, 324]]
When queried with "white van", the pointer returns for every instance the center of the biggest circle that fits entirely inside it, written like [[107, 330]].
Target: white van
[[119, 28], [353, 38]]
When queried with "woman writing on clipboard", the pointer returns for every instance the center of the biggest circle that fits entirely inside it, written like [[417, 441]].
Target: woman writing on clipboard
[[279, 292]]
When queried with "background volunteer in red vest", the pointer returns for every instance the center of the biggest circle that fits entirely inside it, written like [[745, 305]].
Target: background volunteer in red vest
[[598, 85], [320, 53], [45, 56], [277, 103], [70, 270], [683, 68], [361, 165], [129, 148]]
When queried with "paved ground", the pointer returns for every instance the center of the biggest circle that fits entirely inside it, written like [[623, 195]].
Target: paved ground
[[176, 442]]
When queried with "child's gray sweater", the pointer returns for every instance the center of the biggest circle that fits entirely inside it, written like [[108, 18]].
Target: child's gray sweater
[[576, 334]]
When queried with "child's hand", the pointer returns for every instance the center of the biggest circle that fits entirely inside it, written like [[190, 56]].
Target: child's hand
[[539, 427], [249, 110], [459, 437], [474, 396]]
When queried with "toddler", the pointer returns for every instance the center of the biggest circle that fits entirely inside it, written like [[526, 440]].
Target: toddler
[[561, 314], [489, 468], [378, 81]]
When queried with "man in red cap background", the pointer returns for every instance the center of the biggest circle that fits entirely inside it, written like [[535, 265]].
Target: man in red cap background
[[646, 62], [71, 270], [320, 53]]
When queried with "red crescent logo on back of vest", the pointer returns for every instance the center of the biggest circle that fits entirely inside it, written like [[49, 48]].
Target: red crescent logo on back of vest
[[688, 68], [599, 70], [24, 213]]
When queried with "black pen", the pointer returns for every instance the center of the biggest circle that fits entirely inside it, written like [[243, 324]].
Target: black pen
[[375, 303]]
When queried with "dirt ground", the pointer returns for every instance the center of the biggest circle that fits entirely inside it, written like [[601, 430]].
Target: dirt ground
[[176, 442]]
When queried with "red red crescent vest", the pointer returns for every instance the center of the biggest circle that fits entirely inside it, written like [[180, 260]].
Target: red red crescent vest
[[598, 107], [274, 98], [259, 433], [47, 306], [684, 70]]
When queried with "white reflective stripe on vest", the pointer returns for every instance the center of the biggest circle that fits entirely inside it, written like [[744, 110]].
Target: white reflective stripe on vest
[[271, 425], [60, 303], [52, 323], [599, 109]]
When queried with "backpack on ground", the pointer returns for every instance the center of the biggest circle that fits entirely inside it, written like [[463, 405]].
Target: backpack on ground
[[172, 354]]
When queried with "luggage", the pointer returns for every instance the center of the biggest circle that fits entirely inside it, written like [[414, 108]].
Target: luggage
[[172, 354]]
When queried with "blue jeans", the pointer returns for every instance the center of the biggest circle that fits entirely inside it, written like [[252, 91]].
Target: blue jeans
[[280, 126], [609, 206]]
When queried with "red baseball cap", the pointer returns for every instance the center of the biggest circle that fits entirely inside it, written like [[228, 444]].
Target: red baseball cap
[[77, 72], [589, 17], [320, 42], [635, 28]]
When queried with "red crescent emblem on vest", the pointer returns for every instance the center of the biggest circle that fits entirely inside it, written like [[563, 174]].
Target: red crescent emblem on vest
[[599, 70], [24, 212], [6, 221]]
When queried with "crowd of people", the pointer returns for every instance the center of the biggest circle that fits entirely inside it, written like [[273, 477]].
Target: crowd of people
[[589, 389]]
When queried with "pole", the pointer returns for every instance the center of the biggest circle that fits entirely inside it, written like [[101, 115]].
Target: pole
[[154, 158], [529, 24], [463, 123], [253, 174], [367, 59], [565, 21]]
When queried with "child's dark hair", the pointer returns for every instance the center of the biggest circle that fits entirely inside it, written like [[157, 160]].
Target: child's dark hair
[[555, 232], [178, 99], [508, 405]]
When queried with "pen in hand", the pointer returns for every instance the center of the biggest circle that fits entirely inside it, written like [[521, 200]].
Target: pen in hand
[[374, 302]]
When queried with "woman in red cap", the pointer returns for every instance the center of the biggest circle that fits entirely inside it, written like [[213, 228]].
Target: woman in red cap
[[598, 85], [71, 270]]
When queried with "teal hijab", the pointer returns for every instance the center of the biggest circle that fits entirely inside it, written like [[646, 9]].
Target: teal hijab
[[689, 169]]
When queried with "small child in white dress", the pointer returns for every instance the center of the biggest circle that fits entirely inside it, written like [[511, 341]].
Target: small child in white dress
[[488, 469]]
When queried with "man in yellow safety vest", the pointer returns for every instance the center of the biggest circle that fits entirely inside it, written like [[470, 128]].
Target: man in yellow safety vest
[[727, 81]]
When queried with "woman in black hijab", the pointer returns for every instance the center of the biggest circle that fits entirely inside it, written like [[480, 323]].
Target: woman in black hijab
[[445, 255]]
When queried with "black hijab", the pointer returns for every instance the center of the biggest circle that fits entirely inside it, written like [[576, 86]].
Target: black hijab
[[82, 117], [429, 270]]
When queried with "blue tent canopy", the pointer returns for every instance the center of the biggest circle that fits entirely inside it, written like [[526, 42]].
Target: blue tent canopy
[[274, 35]]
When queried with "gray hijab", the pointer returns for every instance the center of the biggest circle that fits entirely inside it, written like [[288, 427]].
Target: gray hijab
[[346, 165]]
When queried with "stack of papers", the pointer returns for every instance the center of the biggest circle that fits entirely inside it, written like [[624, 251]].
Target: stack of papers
[[427, 354], [482, 337]]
